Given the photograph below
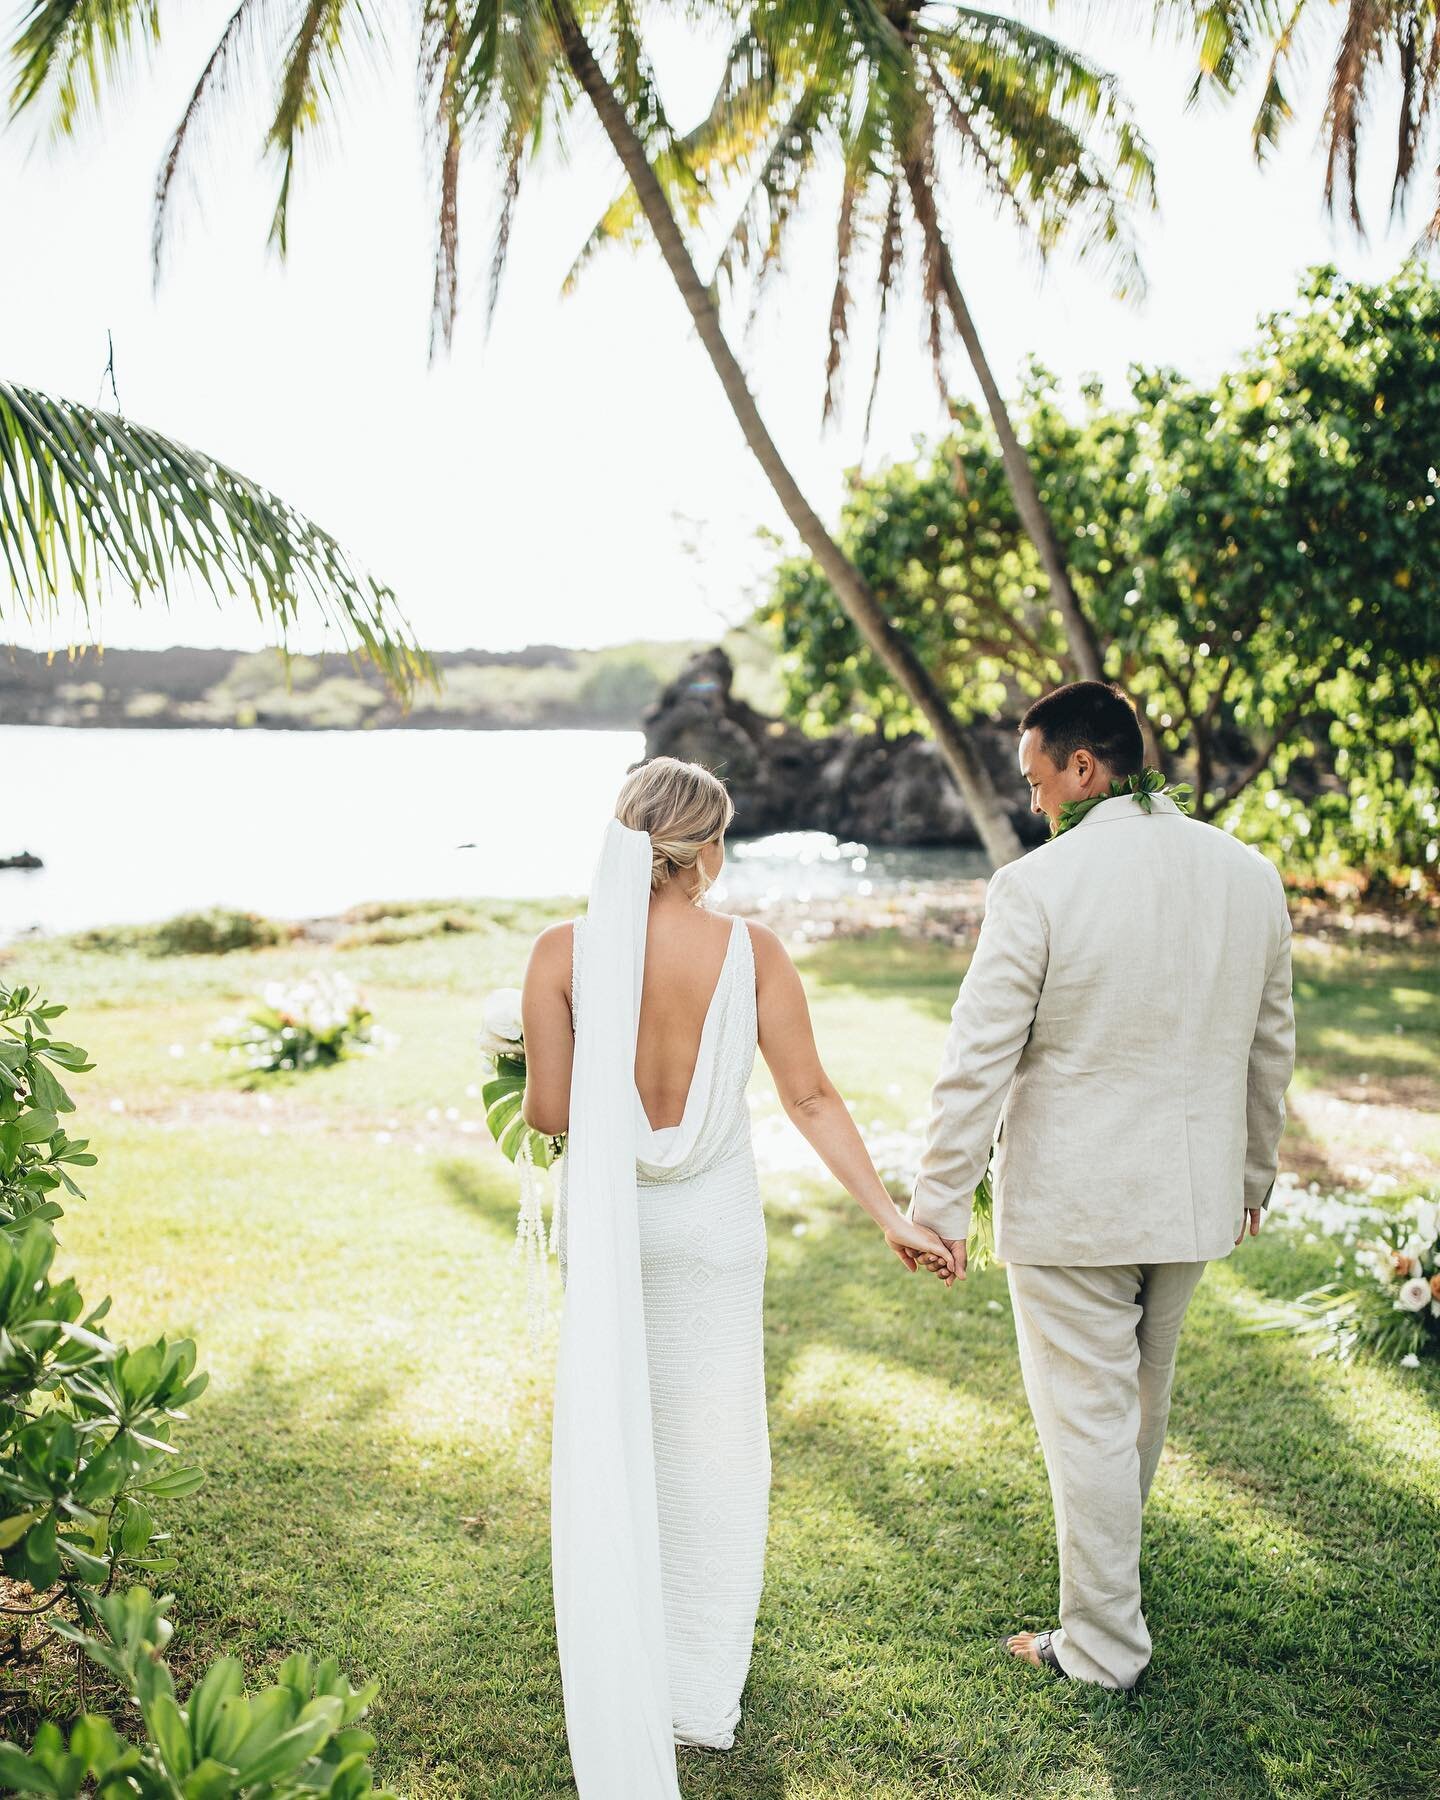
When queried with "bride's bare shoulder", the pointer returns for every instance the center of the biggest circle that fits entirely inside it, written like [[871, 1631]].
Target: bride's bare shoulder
[[551, 951], [768, 945]]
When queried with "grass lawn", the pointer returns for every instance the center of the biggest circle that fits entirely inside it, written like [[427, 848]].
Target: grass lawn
[[376, 1430]]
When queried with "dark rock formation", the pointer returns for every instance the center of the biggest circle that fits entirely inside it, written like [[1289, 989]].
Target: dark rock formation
[[870, 789]]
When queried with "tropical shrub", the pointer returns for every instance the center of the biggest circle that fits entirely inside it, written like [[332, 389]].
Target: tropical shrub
[[296, 1738], [85, 1424]]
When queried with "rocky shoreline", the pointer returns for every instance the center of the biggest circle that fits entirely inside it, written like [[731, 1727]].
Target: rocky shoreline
[[871, 789]]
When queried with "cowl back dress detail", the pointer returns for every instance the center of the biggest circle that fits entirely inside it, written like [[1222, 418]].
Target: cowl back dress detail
[[702, 1260]]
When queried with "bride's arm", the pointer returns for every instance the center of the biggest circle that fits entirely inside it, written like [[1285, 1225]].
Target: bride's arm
[[787, 1042], [549, 1033]]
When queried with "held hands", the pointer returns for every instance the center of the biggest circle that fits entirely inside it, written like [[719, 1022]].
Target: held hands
[[918, 1247], [955, 1253]]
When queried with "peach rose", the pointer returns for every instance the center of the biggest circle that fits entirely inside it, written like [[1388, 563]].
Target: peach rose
[[1435, 1287], [1400, 1266]]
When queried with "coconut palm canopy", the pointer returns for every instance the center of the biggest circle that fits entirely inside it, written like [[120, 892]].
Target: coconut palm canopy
[[91, 502], [892, 89], [894, 95]]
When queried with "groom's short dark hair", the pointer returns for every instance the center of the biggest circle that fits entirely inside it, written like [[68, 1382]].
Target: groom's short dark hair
[[1089, 715]]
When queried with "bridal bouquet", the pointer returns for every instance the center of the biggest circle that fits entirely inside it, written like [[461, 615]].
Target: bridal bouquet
[[502, 1044], [1388, 1298]]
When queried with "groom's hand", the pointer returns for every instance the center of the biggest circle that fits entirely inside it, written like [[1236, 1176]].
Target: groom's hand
[[1251, 1227], [956, 1247]]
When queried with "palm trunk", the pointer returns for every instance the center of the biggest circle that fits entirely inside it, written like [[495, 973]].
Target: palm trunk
[[1084, 647], [853, 592]]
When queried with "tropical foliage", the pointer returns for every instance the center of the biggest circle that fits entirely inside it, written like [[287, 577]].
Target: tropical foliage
[[293, 1739], [85, 1424], [1258, 555], [93, 503]]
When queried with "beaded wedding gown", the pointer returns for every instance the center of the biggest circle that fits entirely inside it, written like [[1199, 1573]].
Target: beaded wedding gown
[[702, 1262]]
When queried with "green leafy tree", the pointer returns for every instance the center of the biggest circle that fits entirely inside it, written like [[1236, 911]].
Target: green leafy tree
[[1260, 557]]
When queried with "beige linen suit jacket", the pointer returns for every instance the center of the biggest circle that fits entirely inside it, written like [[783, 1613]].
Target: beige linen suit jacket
[[1129, 1007]]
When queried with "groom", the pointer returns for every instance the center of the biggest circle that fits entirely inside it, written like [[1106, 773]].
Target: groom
[[1127, 1022]]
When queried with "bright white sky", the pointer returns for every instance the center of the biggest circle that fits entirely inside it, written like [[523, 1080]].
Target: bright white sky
[[575, 478]]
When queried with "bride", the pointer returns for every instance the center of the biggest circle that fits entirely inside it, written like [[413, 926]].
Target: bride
[[641, 1023]]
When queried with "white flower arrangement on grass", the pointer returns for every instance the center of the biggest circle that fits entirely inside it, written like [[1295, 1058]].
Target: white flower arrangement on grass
[[303, 1025], [1386, 1294]]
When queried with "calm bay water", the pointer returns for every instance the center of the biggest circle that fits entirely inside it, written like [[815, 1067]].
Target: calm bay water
[[138, 825]]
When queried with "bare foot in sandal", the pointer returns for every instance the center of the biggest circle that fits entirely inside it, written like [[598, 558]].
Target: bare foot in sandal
[[1036, 1648]]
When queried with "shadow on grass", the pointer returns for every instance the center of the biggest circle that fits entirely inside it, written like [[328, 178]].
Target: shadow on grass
[[1289, 1571], [1273, 1547]]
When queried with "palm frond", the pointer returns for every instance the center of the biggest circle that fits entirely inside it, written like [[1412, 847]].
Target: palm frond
[[440, 39], [850, 195], [66, 51], [887, 275], [315, 63], [248, 26], [91, 502], [1274, 111], [1363, 41]]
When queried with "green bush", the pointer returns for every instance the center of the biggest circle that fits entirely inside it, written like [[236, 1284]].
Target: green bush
[[85, 1424], [296, 1738], [209, 933]]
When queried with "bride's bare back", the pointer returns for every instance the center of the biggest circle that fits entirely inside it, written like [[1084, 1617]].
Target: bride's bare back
[[685, 949]]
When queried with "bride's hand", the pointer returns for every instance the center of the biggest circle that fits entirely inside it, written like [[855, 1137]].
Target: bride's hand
[[917, 1246]]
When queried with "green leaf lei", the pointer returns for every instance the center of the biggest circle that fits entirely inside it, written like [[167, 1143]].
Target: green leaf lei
[[1141, 788]]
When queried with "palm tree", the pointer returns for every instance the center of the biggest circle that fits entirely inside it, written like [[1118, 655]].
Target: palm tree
[[894, 93], [1379, 40], [504, 74], [90, 502]]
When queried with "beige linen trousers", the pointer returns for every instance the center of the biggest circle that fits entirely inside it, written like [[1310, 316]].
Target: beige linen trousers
[[1126, 1024]]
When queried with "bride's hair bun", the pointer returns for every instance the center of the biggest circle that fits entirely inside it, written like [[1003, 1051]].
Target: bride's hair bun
[[682, 806]]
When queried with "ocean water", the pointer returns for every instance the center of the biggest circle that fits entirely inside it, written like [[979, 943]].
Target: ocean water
[[137, 825]]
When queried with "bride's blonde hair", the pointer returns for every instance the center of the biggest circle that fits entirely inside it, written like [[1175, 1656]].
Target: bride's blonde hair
[[683, 807]]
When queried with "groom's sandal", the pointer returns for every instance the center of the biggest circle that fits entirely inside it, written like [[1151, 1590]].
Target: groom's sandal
[[1024, 1643]]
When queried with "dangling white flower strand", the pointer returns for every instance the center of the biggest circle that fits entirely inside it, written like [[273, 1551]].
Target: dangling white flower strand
[[531, 1243]]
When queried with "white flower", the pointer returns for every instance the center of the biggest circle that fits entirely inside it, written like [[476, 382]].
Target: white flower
[[500, 1015], [1412, 1361], [1426, 1214], [1414, 1295]]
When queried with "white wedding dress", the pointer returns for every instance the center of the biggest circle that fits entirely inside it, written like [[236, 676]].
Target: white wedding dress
[[702, 1270]]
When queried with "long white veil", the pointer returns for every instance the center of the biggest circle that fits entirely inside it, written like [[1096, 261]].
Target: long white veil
[[605, 1540]]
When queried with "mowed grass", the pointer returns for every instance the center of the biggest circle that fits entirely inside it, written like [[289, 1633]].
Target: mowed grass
[[376, 1431]]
